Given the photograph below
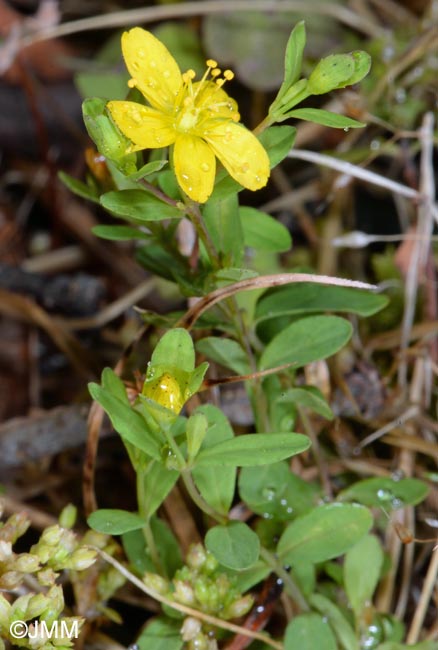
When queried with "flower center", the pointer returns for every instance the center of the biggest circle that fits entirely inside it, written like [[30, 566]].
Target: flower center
[[198, 100]]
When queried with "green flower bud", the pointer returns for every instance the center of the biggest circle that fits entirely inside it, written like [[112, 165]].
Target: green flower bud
[[196, 556], [11, 580], [26, 563], [5, 608], [6, 553], [183, 593], [82, 559], [19, 608], [52, 535], [211, 564], [239, 607], [202, 590], [156, 583], [37, 605], [200, 642], [67, 518], [190, 628], [46, 577]]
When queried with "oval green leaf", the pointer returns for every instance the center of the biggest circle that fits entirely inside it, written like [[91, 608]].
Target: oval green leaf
[[253, 449], [307, 340], [383, 491], [139, 206], [309, 632], [361, 578], [114, 522], [324, 533], [235, 546], [307, 297], [263, 232]]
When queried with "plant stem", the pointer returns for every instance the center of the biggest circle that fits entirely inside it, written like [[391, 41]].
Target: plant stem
[[289, 583], [195, 216], [199, 499], [147, 530]]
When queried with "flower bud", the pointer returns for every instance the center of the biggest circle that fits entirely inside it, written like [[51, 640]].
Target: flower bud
[[190, 628], [239, 607], [6, 552], [46, 577], [81, 559], [183, 593], [5, 609], [26, 563], [11, 580], [67, 518], [52, 535], [196, 556], [37, 605], [156, 583]]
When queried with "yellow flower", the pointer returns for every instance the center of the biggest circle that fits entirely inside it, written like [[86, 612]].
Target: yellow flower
[[198, 118]]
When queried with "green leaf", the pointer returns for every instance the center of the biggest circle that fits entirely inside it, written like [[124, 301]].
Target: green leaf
[[278, 141], [253, 449], [326, 118], [139, 206], [272, 490], [221, 218], [382, 491], [307, 397], [216, 484], [293, 58], [158, 481], [161, 634], [306, 340], [235, 546], [119, 233], [263, 232], [324, 533], [309, 632], [79, 188], [226, 352], [247, 578], [127, 422], [307, 297], [114, 522], [149, 168], [112, 383], [362, 65], [228, 275], [330, 73], [361, 578], [337, 621], [175, 348]]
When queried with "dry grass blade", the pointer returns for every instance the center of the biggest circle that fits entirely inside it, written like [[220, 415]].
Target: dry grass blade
[[262, 282]]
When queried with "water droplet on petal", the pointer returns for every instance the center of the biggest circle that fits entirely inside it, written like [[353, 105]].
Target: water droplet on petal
[[257, 179], [244, 168], [185, 177], [205, 167], [141, 54], [166, 74], [152, 63]]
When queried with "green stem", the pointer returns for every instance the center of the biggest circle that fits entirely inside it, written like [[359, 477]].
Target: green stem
[[289, 583], [199, 499], [195, 216], [147, 530]]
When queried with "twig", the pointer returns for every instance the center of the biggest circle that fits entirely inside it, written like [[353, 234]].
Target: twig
[[410, 413], [262, 282], [207, 7], [420, 251], [211, 620], [426, 593]]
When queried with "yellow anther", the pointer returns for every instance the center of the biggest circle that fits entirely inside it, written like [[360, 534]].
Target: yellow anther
[[211, 63], [220, 82], [215, 73], [132, 83], [229, 74]]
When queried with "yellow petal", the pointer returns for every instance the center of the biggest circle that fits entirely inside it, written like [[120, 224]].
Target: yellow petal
[[215, 101], [240, 152], [154, 70], [145, 127], [195, 167]]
